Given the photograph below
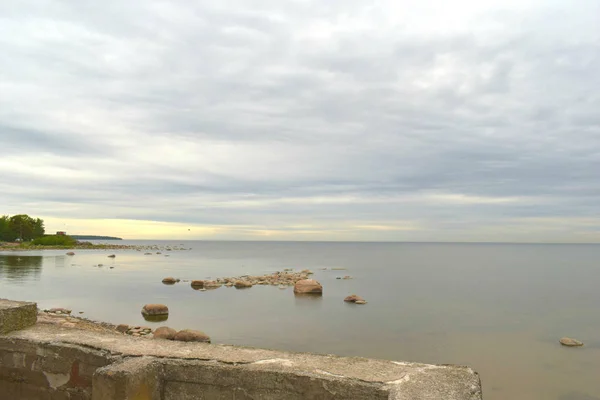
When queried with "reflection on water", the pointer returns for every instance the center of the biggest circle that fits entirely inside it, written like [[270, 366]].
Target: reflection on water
[[20, 266], [497, 308]]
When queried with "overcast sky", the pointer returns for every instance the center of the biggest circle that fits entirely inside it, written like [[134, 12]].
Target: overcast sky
[[464, 120]]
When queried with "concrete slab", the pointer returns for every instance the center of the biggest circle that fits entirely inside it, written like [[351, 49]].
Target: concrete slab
[[16, 315], [265, 373]]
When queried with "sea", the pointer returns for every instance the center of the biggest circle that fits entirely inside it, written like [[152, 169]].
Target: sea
[[498, 308]]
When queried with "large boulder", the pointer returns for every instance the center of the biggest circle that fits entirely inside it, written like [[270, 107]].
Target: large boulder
[[164, 332], [566, 341], [189, 335], [308, 286], [155, 309], [169, 280]]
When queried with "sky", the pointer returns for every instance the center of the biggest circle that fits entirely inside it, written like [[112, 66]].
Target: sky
[[381, 120]]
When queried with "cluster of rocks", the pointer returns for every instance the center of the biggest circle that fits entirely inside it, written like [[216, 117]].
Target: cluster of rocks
[[282, 279], [134, 330], [186, 335], [58, 311]]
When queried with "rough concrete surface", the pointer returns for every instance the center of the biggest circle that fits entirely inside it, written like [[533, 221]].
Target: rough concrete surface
[[15, 315], [50, 360]]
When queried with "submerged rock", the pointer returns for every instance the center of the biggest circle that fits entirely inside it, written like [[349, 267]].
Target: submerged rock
[[189, 335], [308, 286], [566, 341]]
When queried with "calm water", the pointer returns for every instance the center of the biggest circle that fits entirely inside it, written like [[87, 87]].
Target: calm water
[[499, 308]]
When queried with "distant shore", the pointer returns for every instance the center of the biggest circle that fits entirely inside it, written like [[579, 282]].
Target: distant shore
[[15, 246]]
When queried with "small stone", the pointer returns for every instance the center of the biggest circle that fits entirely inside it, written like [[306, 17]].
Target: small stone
[[169, 280], [189, 335], [100, 265], [566, 341], [122, 328], [242, 284], [135, 334], [353, 299], [112, 256], [164, 332], [70, 253]]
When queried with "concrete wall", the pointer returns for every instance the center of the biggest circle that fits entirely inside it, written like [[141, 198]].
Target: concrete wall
[[52, 362]]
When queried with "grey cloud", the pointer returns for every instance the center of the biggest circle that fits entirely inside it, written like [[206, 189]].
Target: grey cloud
[[139, 95]]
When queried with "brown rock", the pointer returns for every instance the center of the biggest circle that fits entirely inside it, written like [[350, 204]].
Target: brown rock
[[242, 284], [122, 328], [169, 280], [211, 285], [189, 335], [308, 286], [164, 332], [566, 341], [353, 299], [197, 285], [155, 309], [112, 256], [70, 253]]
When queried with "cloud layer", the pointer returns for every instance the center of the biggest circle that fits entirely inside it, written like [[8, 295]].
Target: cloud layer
[[343, 120]]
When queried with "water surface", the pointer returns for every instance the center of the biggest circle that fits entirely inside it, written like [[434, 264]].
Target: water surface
[[499, 308]]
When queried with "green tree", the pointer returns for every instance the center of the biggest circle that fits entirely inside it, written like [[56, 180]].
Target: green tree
[[5, 234], [24, 227]]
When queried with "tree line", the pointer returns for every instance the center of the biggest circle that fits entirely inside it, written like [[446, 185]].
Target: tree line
[[20, 227]]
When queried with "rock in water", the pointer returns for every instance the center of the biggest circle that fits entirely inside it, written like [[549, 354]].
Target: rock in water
[[169, 280], [353, 299], [189, 335], [360, 302], [164, 332], [566, 341], [155, 309], [242, 284], [112, 256], [308, 286], [197, 285], [70, 253]]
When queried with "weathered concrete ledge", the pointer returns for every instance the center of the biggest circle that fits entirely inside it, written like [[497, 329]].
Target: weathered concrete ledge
[[53, 362]]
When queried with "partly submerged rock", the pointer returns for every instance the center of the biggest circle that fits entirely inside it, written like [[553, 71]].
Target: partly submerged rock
[[112, 256], [242, 284], [155, 309], [169, 280], [353, 299], [70, 253], [197, 284], [308, 286], [189, 335], [570, 342]]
